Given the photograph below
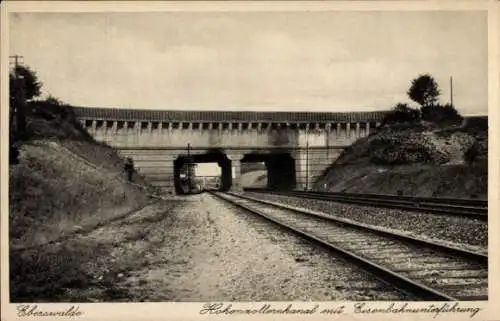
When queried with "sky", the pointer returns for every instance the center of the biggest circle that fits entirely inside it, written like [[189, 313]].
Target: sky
[[207, 169], [267, 61]]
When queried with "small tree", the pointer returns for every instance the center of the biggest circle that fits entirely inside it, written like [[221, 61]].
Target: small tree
[[402, 113], [26, 78], [424, 90], [23, 87]]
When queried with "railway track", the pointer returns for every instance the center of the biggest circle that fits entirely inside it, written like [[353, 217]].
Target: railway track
[[421, 269], [475, 209]]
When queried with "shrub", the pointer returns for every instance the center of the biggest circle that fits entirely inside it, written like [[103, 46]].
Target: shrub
[[441, 114], [471, 154], [478, 152], [402, 113]]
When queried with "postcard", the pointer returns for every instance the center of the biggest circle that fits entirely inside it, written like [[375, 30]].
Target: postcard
[[249, 160]]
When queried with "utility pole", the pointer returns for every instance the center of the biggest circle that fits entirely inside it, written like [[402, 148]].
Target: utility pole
[[307, 162], [189, 167], [20, 100], [17, 60], [451, 90]]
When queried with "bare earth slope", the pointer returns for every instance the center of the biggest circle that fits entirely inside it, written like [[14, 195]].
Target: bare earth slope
[[415, 160]]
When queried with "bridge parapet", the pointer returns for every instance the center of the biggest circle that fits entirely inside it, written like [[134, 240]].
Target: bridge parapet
[[128, 128], [225, 116]]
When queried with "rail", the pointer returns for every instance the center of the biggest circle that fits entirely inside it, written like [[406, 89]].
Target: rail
[[471, 208], [423, 269]]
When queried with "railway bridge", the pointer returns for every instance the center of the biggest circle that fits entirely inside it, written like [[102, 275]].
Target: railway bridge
[[296, 147]]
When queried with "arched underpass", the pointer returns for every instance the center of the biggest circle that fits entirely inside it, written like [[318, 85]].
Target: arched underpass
[[280, 169], [215, 156]]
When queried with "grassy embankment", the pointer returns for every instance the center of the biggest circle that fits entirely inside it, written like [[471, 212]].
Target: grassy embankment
[[65, 182], [419, 160]]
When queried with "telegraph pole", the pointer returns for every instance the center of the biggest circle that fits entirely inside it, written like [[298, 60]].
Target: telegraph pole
[[189, 167], [451, 90], [307, 162], [17, 59], [20, 100]]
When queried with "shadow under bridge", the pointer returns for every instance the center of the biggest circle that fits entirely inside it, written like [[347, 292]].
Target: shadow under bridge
[[280, 167]]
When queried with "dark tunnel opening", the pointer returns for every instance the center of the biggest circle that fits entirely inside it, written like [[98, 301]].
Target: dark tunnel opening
[[215, 156], [280, 167]]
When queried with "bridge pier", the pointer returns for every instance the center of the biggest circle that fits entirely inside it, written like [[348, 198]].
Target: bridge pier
[[236, 171]]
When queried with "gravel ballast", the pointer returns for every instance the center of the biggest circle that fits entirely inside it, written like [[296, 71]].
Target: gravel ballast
[[463, 232]]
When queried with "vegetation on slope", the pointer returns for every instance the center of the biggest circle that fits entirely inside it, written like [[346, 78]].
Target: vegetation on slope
[[440, 163], [430, 151]]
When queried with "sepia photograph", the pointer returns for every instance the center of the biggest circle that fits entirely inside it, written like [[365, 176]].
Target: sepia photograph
[[222, 156]]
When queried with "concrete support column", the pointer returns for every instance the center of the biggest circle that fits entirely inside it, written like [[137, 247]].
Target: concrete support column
[[240, 127], [125, 126], [190, 126], [150, 127], [328, 129], [357, 130], [160, 128], [259, 126], [210, 126], [367, 128], [109, 130], [348, 130], [94, 126], [114, 127], [236, 173], [104, 127], [338, 130]]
